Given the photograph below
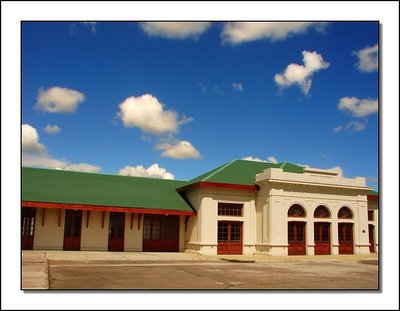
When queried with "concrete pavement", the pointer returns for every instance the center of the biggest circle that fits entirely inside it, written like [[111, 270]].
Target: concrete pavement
[[35, 262]]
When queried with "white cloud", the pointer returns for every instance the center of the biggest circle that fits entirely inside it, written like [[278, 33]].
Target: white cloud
[[352, 126], [238, 86], [179, 150], [367, 59], [35, 154], [338, 128], [269, 159], [153, 171], [301, 75], [30, 140], [272, 159], [52, 129], [147, 113], [358, 107], [337, 169], [355, 126], [59, 100], [175, 30], [239, 32]]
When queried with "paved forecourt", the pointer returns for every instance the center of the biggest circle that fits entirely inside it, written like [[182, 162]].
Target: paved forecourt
[[133, 270]]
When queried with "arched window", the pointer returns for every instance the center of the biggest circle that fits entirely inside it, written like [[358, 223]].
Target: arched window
[[322, 212], [345, 213], [296, 210]]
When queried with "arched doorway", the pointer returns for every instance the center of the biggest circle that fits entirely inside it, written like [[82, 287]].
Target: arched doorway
[[345, 231], [296, 231], [322, 231]]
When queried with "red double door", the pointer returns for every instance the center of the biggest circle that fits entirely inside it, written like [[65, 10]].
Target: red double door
[[322, 238], [345, 238], [72, 230], [160, 233], [296, 238], [229, 238], [116, 231], [28, 216]]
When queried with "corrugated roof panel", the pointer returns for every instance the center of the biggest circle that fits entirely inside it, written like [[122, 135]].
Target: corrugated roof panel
[[68, 187], [243, 172]]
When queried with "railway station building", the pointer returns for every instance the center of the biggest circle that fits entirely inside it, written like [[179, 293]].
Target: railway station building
[[241, 207]]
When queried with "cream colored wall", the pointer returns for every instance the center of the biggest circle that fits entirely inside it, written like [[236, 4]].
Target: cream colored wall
[[192, 234], [203, 236], [310, 191], [49, 236], [94, 237], [133, 237]]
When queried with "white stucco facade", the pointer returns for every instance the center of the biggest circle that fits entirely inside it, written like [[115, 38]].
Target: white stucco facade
[[265, 211]]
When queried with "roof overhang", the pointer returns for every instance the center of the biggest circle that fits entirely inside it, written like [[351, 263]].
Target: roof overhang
[[207, 184], [106, 208]]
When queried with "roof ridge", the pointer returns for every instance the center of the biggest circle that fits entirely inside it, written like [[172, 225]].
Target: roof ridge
[[218, 170]]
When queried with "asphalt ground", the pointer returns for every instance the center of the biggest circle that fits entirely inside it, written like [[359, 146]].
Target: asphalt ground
[[60, 270]]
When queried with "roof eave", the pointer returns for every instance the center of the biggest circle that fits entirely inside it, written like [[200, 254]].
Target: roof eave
[[106, 208]]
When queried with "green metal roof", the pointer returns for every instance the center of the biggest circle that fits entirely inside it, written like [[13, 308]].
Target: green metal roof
[[68, 187], [372, 192], [243, 172]]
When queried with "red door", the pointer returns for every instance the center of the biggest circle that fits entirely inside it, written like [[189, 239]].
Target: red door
[[296, 238], [371, 232], [229, 238], [116, 232], [322, 238], [72, 230], [160, 233], [28, 215], [345, 238]]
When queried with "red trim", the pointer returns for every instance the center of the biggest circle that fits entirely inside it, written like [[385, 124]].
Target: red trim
[[372, 197], [208, 184], [104, 208]]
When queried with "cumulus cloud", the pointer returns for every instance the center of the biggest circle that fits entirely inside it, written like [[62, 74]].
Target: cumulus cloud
[[175, 30], [238, 86], [30, 140], [59, 100], [269, 159], [301, 74], [35, 154], [148, 114], [239, 32], [52, 129], [358, 107], [367, 59], [178, 150], [153, 171]]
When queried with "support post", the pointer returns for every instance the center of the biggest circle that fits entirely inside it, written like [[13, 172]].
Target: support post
[[87, 218]]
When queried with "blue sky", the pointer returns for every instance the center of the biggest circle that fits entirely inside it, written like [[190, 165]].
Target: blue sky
[[174, 100], [193, 77]]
